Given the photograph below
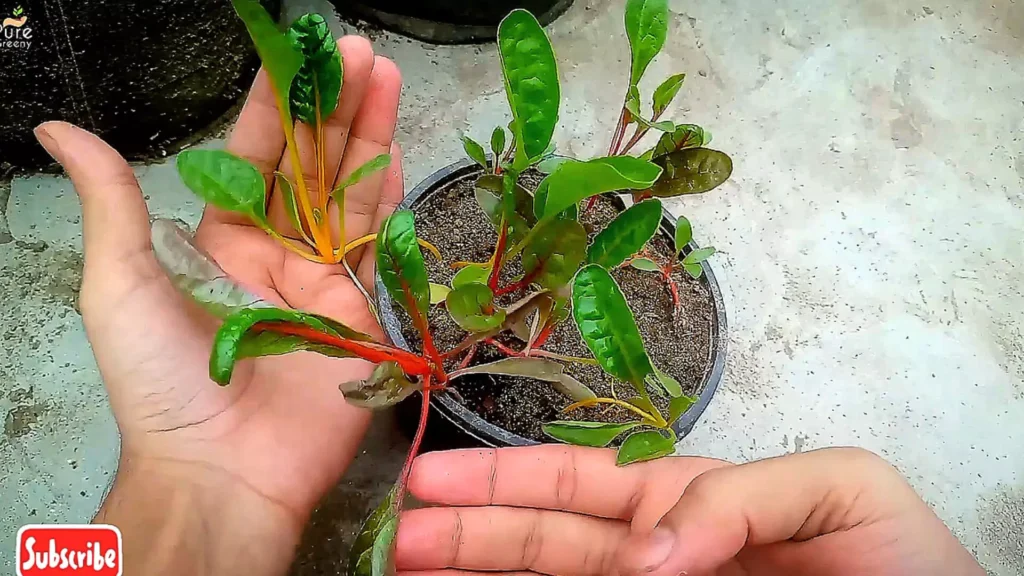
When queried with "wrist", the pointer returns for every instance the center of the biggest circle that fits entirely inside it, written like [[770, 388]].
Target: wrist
[[191, 518]]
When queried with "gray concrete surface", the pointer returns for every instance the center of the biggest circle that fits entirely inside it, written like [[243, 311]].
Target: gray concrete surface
[[870, 243]]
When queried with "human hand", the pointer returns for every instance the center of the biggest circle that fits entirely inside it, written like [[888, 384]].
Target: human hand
[[570, 511], [262, 451]]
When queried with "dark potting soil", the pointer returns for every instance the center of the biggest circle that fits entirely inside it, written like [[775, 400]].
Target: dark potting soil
[[679, 343]]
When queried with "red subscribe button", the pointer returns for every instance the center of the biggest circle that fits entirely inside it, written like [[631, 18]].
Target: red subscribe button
[[62, 549]]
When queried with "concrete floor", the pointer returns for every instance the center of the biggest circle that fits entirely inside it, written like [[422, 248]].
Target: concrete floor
[[870, 245]]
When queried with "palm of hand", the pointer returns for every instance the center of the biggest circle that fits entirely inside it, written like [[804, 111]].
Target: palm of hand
[[281, 429]]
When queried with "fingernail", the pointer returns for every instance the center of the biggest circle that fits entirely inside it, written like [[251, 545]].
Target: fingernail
[[46, 141], [657, 549]]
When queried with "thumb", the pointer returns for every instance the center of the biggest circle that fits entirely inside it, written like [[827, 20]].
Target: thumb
[[792, 498], [114, 215]]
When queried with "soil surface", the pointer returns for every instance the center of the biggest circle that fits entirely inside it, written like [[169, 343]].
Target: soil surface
[[679, 343]]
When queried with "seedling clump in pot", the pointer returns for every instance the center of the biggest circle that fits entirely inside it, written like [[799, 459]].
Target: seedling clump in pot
[[563, 276]]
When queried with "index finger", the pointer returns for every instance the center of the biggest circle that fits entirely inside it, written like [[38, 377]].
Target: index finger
[[555, 477]]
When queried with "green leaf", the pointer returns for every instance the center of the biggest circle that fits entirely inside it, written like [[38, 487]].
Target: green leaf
[[470, 274], [318, 81], [694, 270], [644, 404], [387, 385], [472, 308], [608, 327], [692, 171], [376, 164], [474, 150], [626, 234], [291, 205], [666, 92], [594, 434], [531, 83], [666, 382], [633, 105], [226, 181], [195, 274], [699, 255], [683, 137], [678, 406], [281, 57], [400, 263], [498, 143], [536, 368], [522, 199], [574, 181], [234, 339], [551, 163], [646, 28], [684, 233], [643, 446], [438, 293], [555, 252], [492, 206], [645, 264], [371, 551]]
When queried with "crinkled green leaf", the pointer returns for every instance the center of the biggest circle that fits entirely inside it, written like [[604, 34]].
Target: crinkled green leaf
[[595, 434], [683, 137], [498, 142], [400, 263], [692, 171], [281, 57], [555, 252], [666, 92], [235, 339], [646, 445], [608, 327], [470, 274], [194, 273], [291, 205], [375, 164], [371, 551], [626, 234], [694, 270], [318, 81], [684, 233], [226, 181], [531, 83], [474, 150], [646, 28], [699, 255], [573, 181], [387, 385], [678, 406], [472, 308], [645, 264]]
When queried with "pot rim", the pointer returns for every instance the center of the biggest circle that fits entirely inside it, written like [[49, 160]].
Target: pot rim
[[492, 435]]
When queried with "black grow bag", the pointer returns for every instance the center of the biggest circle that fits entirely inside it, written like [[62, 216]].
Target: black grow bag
[[143, 75], [459, 426], [447, 21]]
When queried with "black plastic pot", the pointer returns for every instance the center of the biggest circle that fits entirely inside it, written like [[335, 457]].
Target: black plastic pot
[[143, 75], [447, 21], [462, 427]]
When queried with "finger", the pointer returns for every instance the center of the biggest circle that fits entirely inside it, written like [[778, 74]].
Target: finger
[[462, 573], [556, 477], [392, 192], [373, 129], [357, 58], [257, 137], [795, 497], [114, 214], [507, 539]]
